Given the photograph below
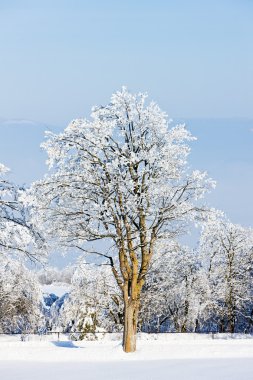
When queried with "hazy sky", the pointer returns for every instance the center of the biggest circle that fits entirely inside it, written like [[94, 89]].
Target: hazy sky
[[59, 57], [195, 58]]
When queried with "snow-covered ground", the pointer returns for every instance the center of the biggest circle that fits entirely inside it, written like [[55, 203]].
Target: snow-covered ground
[[167, 356]]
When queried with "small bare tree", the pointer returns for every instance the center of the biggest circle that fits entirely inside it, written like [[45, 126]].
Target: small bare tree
[[121, 177]]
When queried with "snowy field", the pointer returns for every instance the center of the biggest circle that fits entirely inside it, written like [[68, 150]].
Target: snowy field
[[165, 356]]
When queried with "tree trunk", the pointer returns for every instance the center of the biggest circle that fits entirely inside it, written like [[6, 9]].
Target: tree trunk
[[221, 326], [131, 312], [231, 320]]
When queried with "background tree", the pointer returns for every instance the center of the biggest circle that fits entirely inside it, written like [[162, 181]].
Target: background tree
[[20, 298], [227, 251], [121, 177], [175, 291], [93, 304], [17, 234]]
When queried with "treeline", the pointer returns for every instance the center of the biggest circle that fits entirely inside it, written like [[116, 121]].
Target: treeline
[[208, 289]]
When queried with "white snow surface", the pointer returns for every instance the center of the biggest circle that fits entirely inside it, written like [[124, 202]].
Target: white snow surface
[[164, 356]]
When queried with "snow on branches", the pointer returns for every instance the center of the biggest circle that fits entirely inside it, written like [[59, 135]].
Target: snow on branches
[[17, 234], [20, 298], [124, 167], [94, 303], [227, 254], [120, 176]]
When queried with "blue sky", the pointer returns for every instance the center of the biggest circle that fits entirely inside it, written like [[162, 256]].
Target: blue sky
[[195, 58], [60, 57]]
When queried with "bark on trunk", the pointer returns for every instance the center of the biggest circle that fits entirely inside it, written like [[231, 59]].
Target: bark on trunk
[[130, 325]]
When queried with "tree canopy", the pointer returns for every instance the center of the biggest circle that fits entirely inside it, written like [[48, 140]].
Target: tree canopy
[[121, 176]]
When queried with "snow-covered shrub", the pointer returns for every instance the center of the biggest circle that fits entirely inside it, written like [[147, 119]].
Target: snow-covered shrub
[[93, 304], [20, 298]]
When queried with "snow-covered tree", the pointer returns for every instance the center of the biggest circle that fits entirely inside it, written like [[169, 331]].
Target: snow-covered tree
[[227, 251], [48, 275], [93, 304], [120, 177], [20, 298], [17, 235], [175, 291]]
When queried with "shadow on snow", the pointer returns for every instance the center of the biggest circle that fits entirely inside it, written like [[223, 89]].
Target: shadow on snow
[[65, 344]]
